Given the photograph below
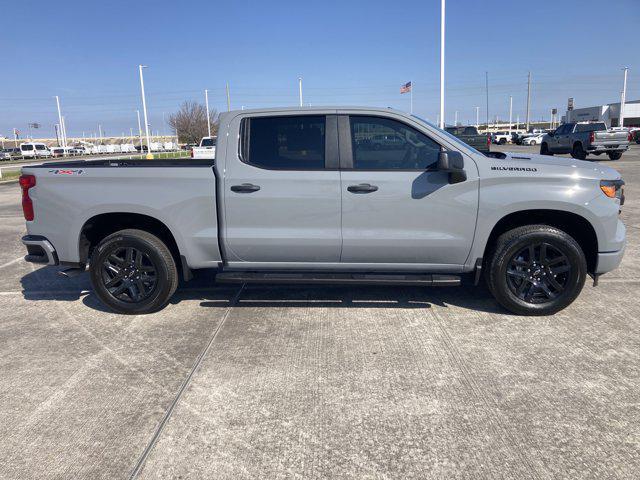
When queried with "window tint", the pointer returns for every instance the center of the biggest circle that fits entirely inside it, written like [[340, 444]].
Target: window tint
[[471, 131], [40, 147], [590, 127], [285, 143], [384, 144], [208, 142], [26, 147]]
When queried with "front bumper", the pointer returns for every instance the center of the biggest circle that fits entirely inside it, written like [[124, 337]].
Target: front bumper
[[39, 250], [608, 261]]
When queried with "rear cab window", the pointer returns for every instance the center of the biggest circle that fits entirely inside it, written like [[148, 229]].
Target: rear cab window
[[590, 127], [284, 143]]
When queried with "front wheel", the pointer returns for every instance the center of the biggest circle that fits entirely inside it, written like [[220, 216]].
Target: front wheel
[[536, 270], [544, 149], [133, 272], [533, 142], [615, 155]]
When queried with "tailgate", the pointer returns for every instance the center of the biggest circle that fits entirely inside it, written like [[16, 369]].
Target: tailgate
[[610, 138]]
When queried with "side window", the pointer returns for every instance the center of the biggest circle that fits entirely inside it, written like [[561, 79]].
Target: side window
[[284, 143], [384, 144]]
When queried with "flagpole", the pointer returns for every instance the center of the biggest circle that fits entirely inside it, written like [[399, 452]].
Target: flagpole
[[411, 96]]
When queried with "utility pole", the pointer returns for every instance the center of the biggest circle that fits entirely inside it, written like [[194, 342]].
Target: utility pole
[[510, 112], [64, 132], [455, 119], [100, 133], [300, 89], [624, 96], [228, 99], [60, 121], [144, 108], [486, 83], [442, 24], [477, 117], [206, 102], [528, 98], [139, 131]]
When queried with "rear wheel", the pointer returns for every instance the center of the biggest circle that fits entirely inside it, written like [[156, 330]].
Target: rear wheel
[[133, 272], [544, 149], [578, 152], [536, 270], [615, 155]]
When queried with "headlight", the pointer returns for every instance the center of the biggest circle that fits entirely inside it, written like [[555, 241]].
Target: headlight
[[613, 189]]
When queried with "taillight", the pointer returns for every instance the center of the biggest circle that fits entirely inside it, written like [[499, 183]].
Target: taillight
[[488, 141], [192, 153], [592, 137], [26, 182], [630, 137]]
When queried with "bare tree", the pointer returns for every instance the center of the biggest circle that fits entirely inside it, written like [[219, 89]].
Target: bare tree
[[190, 121]]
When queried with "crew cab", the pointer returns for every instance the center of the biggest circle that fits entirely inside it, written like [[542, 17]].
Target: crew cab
[[582, 138], [297, 195], [206, 149]]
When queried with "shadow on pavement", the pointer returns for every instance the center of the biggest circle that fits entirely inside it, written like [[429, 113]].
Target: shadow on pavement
[[46, 284]]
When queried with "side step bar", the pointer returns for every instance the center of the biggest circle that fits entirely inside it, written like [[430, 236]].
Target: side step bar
[[340, 278]]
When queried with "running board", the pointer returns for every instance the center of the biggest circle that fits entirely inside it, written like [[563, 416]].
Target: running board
[[424, 280]]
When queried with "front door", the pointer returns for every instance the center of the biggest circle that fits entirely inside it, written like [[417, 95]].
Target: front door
[[398, 211], [282, 193]]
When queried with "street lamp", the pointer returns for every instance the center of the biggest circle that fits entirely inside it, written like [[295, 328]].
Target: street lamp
[[206, 102], [144, 108]]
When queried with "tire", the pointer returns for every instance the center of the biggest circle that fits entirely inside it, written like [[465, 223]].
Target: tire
[[527, 286], [615, 155], [502, 141], [544, 150], [533, 142], [133, 261], [578, 152]]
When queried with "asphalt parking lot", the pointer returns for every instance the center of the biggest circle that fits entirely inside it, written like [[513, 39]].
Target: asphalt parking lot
[[317, 382]]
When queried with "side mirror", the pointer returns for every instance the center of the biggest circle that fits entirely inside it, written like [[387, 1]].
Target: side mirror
[[453, 164], [450, 161]]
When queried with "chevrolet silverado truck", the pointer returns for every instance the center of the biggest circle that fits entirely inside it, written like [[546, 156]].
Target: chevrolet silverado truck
[[582, 138], [298, 196]]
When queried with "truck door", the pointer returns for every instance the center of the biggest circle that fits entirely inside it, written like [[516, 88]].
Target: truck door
[[282, 193], [398, 211]]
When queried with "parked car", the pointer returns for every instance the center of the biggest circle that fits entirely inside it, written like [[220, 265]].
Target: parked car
[[582, 138], [34, 150], [470, 136], [292, 198], [5, 155], [57, 151], [206, 149], [533, 139], [501, 137]]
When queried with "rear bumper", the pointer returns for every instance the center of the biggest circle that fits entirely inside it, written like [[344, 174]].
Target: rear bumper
[[607, 148], [39, 250]]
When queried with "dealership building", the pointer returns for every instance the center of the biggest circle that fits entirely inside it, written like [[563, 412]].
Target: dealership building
[[609, 114]]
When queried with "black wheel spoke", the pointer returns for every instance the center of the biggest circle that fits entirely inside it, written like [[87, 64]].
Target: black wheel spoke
[[555, 284], [543, 253], [129, 274], [546, 290], [517, 274], [560, 269]]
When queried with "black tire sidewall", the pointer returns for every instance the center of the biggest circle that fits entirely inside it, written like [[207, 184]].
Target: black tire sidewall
[[163, 286], [558, 239]]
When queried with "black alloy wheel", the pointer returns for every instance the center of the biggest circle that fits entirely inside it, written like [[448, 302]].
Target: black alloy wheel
[[538, 273], [129, 275]]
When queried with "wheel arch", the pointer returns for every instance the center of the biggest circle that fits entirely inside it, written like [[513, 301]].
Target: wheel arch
[[98, 227], [571, 223]]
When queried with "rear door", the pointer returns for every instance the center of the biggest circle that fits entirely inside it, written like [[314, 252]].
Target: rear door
[[282, 193], [398, 211]]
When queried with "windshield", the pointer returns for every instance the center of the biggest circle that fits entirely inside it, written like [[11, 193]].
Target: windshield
[[455, 140], [208, 142]]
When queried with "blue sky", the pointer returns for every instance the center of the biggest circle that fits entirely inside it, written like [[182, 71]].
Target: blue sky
[[348, 52]]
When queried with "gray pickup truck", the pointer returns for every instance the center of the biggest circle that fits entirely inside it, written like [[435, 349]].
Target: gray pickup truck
[[470, 136], [581, 139], [300, 196]]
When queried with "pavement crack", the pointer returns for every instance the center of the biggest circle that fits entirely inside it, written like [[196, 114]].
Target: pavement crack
[[185, 384]]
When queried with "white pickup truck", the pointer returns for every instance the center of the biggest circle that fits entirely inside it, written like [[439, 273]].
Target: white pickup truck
[[207, 148]]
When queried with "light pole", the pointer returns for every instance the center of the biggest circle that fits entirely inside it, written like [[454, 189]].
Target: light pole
[[455, 119], [510, 112], [300, 89], [144, 109], [528, 98], [206, 102], [477, 117], [228, 99], [442, 13], [62, 140], [139, 131], [624, 96]]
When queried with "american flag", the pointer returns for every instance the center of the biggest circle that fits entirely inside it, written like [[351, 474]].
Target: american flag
[[406, 88]]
